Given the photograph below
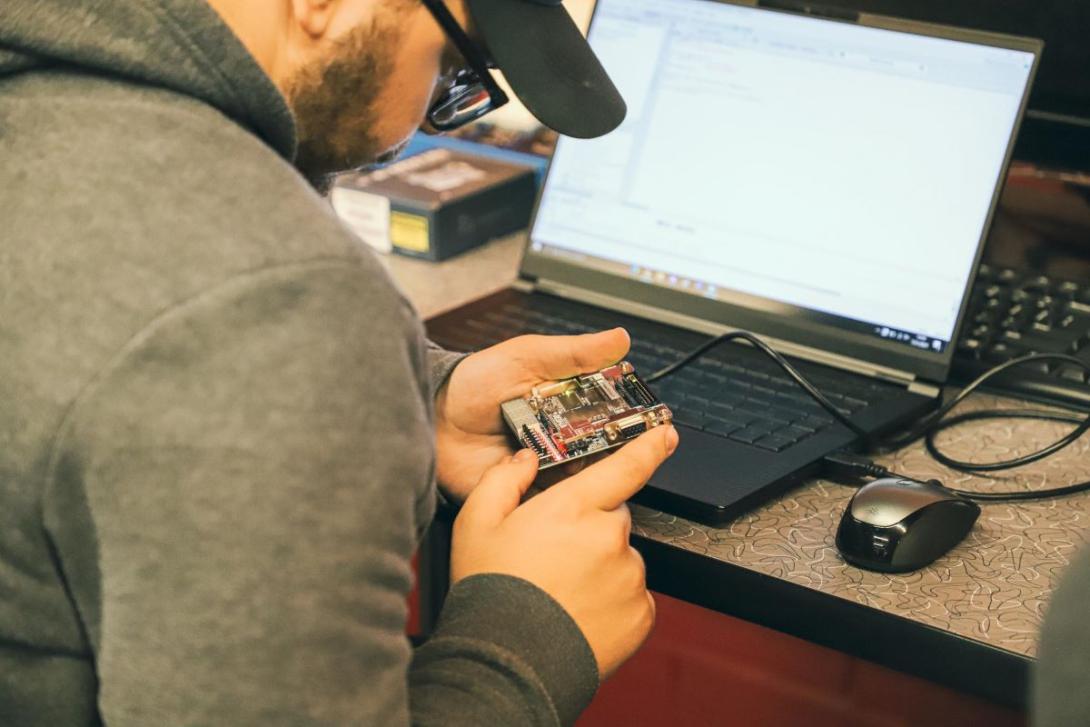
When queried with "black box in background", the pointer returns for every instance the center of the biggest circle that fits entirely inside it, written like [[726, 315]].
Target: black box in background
[[437, 204]]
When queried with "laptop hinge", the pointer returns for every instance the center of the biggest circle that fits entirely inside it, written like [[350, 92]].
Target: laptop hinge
[[523, 285], [846, 363]]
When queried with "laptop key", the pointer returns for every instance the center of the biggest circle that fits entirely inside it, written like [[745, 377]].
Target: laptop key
[[784, 434], [737, 384], [722, 427], [689, 390], [815, 422], [772, 418], [768, 391], [774, 443], [734, 373], [719, 409], [689, 418], [797, 432], [793, 397], [1071, 373], [697, 406], [758, 403], [727, 417], [779, 413], [480, 325], [747, 436], [731, 400], [783, 386], [667, 388], [747, 414], [505, 322], [715, 379], [689, 377]]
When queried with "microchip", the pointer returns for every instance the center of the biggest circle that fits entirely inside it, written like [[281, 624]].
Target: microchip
[[569, 419]]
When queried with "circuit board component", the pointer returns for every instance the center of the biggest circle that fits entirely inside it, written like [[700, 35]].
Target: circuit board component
[[569, 419]]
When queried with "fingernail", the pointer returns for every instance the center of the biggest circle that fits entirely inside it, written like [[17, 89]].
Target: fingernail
[[671, 439], [525, 455]]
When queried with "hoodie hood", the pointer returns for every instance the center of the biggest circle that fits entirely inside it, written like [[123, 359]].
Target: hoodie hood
[[181, 45]]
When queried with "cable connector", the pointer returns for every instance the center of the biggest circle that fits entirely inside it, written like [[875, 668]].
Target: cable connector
[[850, 468]]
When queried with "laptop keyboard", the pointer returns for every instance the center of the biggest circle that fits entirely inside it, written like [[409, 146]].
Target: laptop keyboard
[[740, 397], [1013, 313]]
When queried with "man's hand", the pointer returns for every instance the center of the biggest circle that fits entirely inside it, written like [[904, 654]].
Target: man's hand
[[470, 433], [571, 541]]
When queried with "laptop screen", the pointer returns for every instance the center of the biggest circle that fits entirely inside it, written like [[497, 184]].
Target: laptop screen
[[786, 162]]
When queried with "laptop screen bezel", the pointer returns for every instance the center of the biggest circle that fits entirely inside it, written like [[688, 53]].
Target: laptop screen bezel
[[782, 321]]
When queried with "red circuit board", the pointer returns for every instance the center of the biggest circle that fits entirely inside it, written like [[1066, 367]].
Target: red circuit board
[[569, 419]]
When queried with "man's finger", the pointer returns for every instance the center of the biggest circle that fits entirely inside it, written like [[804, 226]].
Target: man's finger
[[551, 476], [607, 484], [575, 466], [561, 357], [500, 490]]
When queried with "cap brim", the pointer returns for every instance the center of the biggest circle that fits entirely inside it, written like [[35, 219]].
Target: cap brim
[[550, 66]]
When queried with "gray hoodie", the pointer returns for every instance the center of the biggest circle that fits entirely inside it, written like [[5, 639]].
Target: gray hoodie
[[216, 444]]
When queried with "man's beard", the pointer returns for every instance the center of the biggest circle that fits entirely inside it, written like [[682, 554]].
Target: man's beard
[[335, 100]]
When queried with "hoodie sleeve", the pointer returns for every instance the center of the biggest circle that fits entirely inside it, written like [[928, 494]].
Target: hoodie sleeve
[[244, 481], [441, 363], [1058, 683], [504, 653]]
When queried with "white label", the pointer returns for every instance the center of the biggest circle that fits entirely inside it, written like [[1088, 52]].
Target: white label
[[368, 215]]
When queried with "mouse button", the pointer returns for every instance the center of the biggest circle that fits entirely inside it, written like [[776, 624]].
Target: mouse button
[[933, 531], [887, 505]]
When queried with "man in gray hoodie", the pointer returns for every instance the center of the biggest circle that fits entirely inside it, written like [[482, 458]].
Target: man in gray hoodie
[[220, 424]]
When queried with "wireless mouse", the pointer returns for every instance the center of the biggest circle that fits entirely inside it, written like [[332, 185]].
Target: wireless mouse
[[895, 525]]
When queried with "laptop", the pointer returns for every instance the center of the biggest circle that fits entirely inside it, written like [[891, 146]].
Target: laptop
[[826, 183]]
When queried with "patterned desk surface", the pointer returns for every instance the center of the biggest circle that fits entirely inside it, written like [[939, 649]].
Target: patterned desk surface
[[993, 587]]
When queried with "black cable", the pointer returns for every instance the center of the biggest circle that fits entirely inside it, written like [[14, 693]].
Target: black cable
[[783, 363], [928, 422], [930, 426], [847, 468], [1037, 456]]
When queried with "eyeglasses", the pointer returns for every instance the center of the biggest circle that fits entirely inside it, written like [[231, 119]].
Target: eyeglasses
[[473, 92]]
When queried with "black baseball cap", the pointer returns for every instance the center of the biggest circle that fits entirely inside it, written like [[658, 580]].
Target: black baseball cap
[[550, 65]]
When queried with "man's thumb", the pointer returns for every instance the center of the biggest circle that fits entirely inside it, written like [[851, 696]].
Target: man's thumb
[[500, 490], [561, 357]]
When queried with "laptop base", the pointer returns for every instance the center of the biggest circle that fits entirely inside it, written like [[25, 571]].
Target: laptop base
[[710, 478]]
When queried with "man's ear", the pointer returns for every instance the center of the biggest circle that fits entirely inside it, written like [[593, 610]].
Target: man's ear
[[314, 16]]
